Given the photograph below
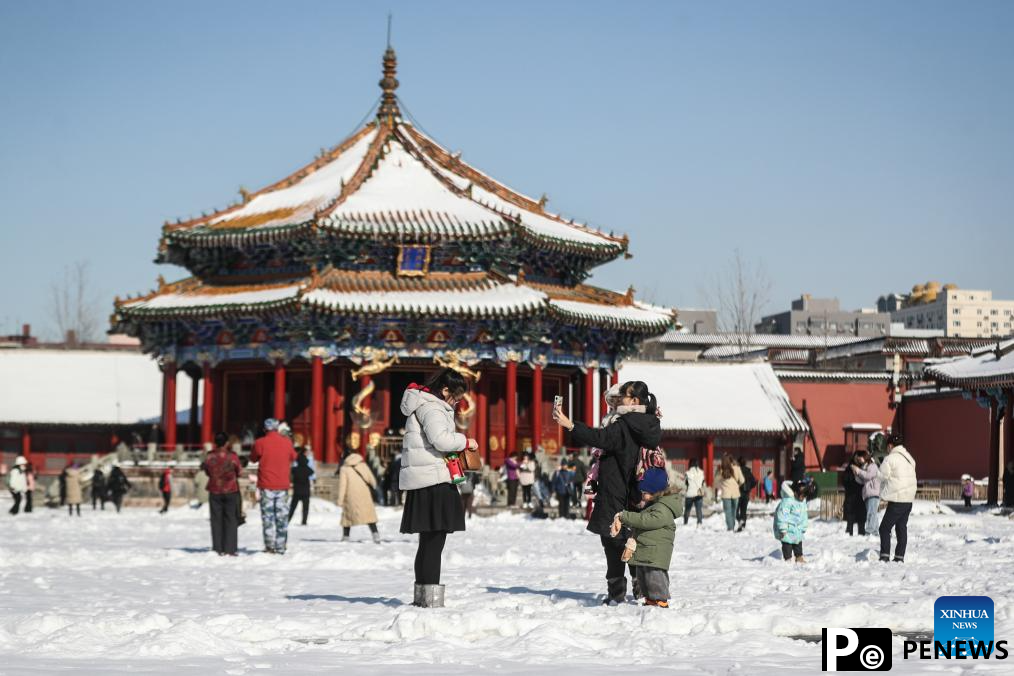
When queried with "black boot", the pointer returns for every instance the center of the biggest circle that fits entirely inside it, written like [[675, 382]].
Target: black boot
[[616, 590]]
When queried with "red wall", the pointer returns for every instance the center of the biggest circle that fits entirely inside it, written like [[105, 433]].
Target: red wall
[[948, 436], [831, 406]]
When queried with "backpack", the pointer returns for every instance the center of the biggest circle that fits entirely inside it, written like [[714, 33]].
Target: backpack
[[649, 458], [750, 481]]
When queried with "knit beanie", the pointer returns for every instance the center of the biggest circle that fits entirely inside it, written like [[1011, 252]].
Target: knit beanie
[[655, 480]]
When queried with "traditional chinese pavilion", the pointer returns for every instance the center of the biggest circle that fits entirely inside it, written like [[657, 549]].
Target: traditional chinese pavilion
[[319, 298]]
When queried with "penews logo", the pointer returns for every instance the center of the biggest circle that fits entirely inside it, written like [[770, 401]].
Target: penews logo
[[961, 622], [856, 649]]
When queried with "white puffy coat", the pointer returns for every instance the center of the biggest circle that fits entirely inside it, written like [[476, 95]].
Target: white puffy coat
[[695, 480], [429, 435], [17, 481], [897, 476]]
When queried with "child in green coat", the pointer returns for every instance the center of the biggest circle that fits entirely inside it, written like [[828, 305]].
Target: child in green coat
[[654, 535]]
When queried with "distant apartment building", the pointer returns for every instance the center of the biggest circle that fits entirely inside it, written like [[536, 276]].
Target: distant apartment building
[[698, 321], [959, 313], [824, 317]]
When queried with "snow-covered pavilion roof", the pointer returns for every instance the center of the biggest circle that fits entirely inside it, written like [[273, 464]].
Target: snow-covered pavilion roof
[[985, 367], [714, 399], [81, 387], [477, 294], [389, 180]]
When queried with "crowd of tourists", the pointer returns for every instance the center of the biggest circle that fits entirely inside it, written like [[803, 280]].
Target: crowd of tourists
[[628, 492]]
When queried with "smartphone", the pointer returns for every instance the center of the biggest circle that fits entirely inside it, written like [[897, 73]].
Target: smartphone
[[558, 401]]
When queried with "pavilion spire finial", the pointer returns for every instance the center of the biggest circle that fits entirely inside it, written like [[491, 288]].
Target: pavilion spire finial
[[389, 101]]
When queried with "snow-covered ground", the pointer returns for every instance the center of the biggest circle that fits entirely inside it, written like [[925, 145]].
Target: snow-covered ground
[[141, 593]]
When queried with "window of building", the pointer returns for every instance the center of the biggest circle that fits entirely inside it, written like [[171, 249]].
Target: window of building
[[957, 322], [979, 324], [994, 325], [978, 311], [955, 311], [994, 311]]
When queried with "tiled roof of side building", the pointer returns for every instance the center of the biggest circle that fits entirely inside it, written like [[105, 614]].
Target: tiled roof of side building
[[985, 367], [701, 398], [676, 337]]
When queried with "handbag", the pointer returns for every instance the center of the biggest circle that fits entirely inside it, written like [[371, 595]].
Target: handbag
[[471, 461]]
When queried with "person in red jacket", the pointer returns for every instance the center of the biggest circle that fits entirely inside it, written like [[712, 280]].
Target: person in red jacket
[[274, 454], [165, 487], [223, 469]]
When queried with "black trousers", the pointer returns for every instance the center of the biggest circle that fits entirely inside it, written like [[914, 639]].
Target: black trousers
[[427, 557], [512, 491], [613, 548], [166, 497], [117, 499], [896, 517], [296, 499], [98, 498], [224, 510], [968, 501], [28, 501], [17, 503], [348, 529], [744, 500], [564, 501], [526, 494], [790, 550], [698, 504], [70, 509]]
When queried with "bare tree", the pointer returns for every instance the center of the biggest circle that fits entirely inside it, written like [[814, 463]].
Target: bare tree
[[740, 293], [72, 305]]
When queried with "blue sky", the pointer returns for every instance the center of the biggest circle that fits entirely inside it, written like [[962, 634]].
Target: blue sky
[[852, 148]]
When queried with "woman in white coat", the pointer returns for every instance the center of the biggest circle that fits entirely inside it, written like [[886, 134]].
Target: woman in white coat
[[432, 503]]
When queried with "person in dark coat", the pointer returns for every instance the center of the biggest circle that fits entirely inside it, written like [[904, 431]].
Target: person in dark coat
[[118, 485], [637, 427], [223, 469], [854, 507], [99, 493], [301, 474], [798, 469], [749, 482]]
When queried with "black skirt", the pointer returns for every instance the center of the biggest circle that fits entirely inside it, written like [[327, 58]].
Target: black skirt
[[434, 508]]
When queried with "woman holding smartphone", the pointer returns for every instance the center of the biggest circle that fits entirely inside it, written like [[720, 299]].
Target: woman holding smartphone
[[432, 503], [637, 427]]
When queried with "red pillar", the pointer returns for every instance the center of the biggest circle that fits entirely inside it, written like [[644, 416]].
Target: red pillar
[[317, 405], [169, 414], [26, 443], [993, 490], [279, 412], [709, 471], [589, 397], [208, 411], [481, 419], [512, 408], [1008, 425], [329, 453], [364, 432], [614, 379]]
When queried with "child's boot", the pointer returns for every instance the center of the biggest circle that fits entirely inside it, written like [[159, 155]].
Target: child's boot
[[800, 559]]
